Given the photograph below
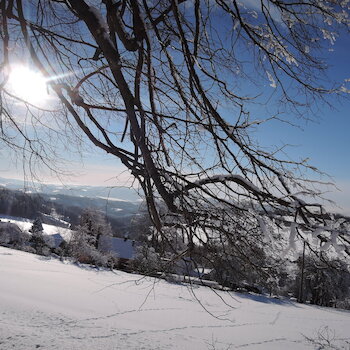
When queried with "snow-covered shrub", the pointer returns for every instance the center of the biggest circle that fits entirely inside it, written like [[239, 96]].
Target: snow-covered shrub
[[83, 246], [80, 249], [39, 242], [93, 224], [29, 249], [12, 235], [8, 232], [112, 260], [62, 249], [326, 281], [326, 339], [343, 304], [234, 271], [146, 261]]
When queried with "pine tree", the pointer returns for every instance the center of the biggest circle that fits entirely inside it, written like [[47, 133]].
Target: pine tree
[[37, 226], [37, 240]]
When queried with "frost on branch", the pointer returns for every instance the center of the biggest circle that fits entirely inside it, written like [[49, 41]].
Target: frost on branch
[[162, 87]]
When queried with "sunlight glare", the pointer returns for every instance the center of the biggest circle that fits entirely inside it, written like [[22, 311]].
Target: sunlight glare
[[28, 85]]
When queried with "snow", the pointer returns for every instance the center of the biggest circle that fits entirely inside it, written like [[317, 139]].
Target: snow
[[48, 304], [272, 80], [100, 20], [122, 248], [26, 224], [113, 199], [226, 178]]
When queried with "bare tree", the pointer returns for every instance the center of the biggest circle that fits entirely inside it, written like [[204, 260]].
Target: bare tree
[[163, 86]]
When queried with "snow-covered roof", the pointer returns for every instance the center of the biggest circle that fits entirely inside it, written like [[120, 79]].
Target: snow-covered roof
[[122, 248]]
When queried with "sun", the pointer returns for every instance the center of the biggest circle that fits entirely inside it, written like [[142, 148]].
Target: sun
[[27, 84]]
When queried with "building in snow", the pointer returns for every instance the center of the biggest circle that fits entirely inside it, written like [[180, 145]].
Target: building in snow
[[122, 248]]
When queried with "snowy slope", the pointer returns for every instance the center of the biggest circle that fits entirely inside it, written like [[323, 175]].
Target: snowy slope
[[47, 304], [26, 224]]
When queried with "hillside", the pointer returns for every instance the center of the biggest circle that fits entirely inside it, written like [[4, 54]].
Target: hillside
[[47, 304], [119, 193], [52, 208]]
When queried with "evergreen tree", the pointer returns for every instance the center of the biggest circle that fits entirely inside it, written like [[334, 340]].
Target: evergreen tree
[[37, 240], [37, 226]]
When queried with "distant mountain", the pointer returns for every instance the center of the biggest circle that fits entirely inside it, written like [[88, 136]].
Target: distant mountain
[[104, 192], [113, 208], [120, 205]]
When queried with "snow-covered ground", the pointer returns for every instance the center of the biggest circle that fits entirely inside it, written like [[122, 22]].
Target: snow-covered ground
[[48, 304], [26, 224]]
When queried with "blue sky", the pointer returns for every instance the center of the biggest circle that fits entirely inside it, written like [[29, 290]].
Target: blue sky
[[325, 141]]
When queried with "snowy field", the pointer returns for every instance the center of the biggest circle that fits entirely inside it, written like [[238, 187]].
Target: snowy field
[[47, 304], [26, 224]]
